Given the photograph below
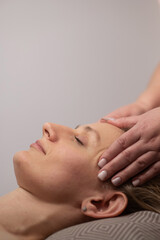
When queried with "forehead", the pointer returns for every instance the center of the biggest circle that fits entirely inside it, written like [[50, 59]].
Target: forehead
[[107, 132]]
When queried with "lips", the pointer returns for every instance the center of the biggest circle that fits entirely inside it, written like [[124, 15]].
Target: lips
[[37, 145]]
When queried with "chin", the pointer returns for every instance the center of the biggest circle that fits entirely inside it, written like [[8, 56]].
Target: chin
[[20, 157], [19, 162]]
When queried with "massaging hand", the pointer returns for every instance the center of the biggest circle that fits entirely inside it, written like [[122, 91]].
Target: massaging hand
[[132, 109], [137, 152]]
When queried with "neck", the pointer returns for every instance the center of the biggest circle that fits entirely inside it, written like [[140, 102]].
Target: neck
[[22, 214]]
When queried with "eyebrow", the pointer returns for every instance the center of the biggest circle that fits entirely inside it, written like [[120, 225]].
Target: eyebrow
[[90, 129]]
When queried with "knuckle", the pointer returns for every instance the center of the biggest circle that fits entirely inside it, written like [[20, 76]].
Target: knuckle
[[145, 125], [154, 143], [155, 170], [141, 164], [122, 142], [151, 143], [153, 140], [153, 156], [127, 156], [142, 131]]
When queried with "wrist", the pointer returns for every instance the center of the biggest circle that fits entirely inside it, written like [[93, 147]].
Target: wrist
[[147, 101], [143, 105]]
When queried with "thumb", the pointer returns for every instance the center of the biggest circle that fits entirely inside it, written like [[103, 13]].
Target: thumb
[[124, 122]]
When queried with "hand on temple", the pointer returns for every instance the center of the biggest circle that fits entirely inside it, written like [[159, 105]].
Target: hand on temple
[[136, 153]]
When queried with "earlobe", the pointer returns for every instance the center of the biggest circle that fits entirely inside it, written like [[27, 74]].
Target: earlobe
[[111, 204]]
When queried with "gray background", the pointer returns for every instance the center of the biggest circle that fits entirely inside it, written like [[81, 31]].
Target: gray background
[[69, 62]]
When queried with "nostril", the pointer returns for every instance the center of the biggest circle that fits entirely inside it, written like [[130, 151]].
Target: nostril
[[46, 133], [45, 129]]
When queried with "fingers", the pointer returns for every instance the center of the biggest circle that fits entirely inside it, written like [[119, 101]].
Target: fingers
[[146, 166], [134, 153], [123, 142], [133, 109], [124, 122], [142, 163], [116, 114], [151, 172], [121, 161], [124, 111]]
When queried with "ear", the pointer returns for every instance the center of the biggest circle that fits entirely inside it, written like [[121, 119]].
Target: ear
[[107, 205]]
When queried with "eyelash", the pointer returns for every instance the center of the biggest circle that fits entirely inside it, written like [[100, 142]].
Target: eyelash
[[79, 141]]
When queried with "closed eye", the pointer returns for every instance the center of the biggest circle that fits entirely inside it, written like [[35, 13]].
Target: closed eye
[[79, 141]]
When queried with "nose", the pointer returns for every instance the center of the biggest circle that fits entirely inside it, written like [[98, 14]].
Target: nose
[[49, 131]]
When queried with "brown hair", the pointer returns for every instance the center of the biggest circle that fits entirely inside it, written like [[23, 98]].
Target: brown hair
[[145, 197]]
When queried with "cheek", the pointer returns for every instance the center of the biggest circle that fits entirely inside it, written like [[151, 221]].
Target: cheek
[[33, 174], [55, 177], [69, 175], [24, 168], [77, 170], [74, 164]]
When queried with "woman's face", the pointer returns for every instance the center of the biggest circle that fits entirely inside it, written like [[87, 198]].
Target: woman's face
[[62, 165]]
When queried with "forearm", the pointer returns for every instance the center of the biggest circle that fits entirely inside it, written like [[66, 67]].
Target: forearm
[[150, 98]]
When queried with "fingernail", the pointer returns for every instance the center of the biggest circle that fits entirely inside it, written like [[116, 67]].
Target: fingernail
[[102, 162], [102, 175], [116, 181], [108, 119], [135, 182]]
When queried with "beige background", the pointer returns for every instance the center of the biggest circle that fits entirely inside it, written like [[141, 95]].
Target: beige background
[[69, 62]]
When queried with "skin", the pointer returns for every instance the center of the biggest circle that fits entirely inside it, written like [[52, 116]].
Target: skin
[[57, 183], [128, 157], [65, 160], [141, 142]]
